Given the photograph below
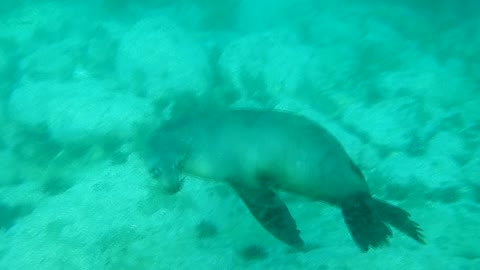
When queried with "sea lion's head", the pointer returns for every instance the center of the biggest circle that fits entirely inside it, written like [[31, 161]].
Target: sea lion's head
[[163, 154], [164, 168], [167, 179]]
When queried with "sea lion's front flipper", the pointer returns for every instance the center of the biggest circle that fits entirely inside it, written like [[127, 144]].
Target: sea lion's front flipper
[[271, 212]]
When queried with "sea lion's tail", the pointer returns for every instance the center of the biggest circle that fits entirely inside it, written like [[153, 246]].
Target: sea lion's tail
[[367, 220]]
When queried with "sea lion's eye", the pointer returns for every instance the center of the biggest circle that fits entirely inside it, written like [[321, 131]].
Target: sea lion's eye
[[179, 166], [155, 172]]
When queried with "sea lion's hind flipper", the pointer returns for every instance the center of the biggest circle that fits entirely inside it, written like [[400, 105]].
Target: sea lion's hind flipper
[[399, 219], [365, 225], [271, 213]]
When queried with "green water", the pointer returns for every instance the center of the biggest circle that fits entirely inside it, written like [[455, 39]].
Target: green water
[[82, 83]]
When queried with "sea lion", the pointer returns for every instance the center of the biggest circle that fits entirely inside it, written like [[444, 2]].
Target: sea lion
[[258, 152]]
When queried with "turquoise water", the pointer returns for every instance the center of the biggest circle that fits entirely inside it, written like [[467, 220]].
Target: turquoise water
[[397, 82]]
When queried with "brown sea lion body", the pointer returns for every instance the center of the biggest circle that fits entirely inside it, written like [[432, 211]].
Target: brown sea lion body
[[258, 152]]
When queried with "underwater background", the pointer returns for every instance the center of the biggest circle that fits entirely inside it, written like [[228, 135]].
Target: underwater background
[[397, 82]]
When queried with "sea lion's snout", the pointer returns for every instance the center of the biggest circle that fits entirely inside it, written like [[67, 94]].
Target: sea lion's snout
[[168, 182]]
